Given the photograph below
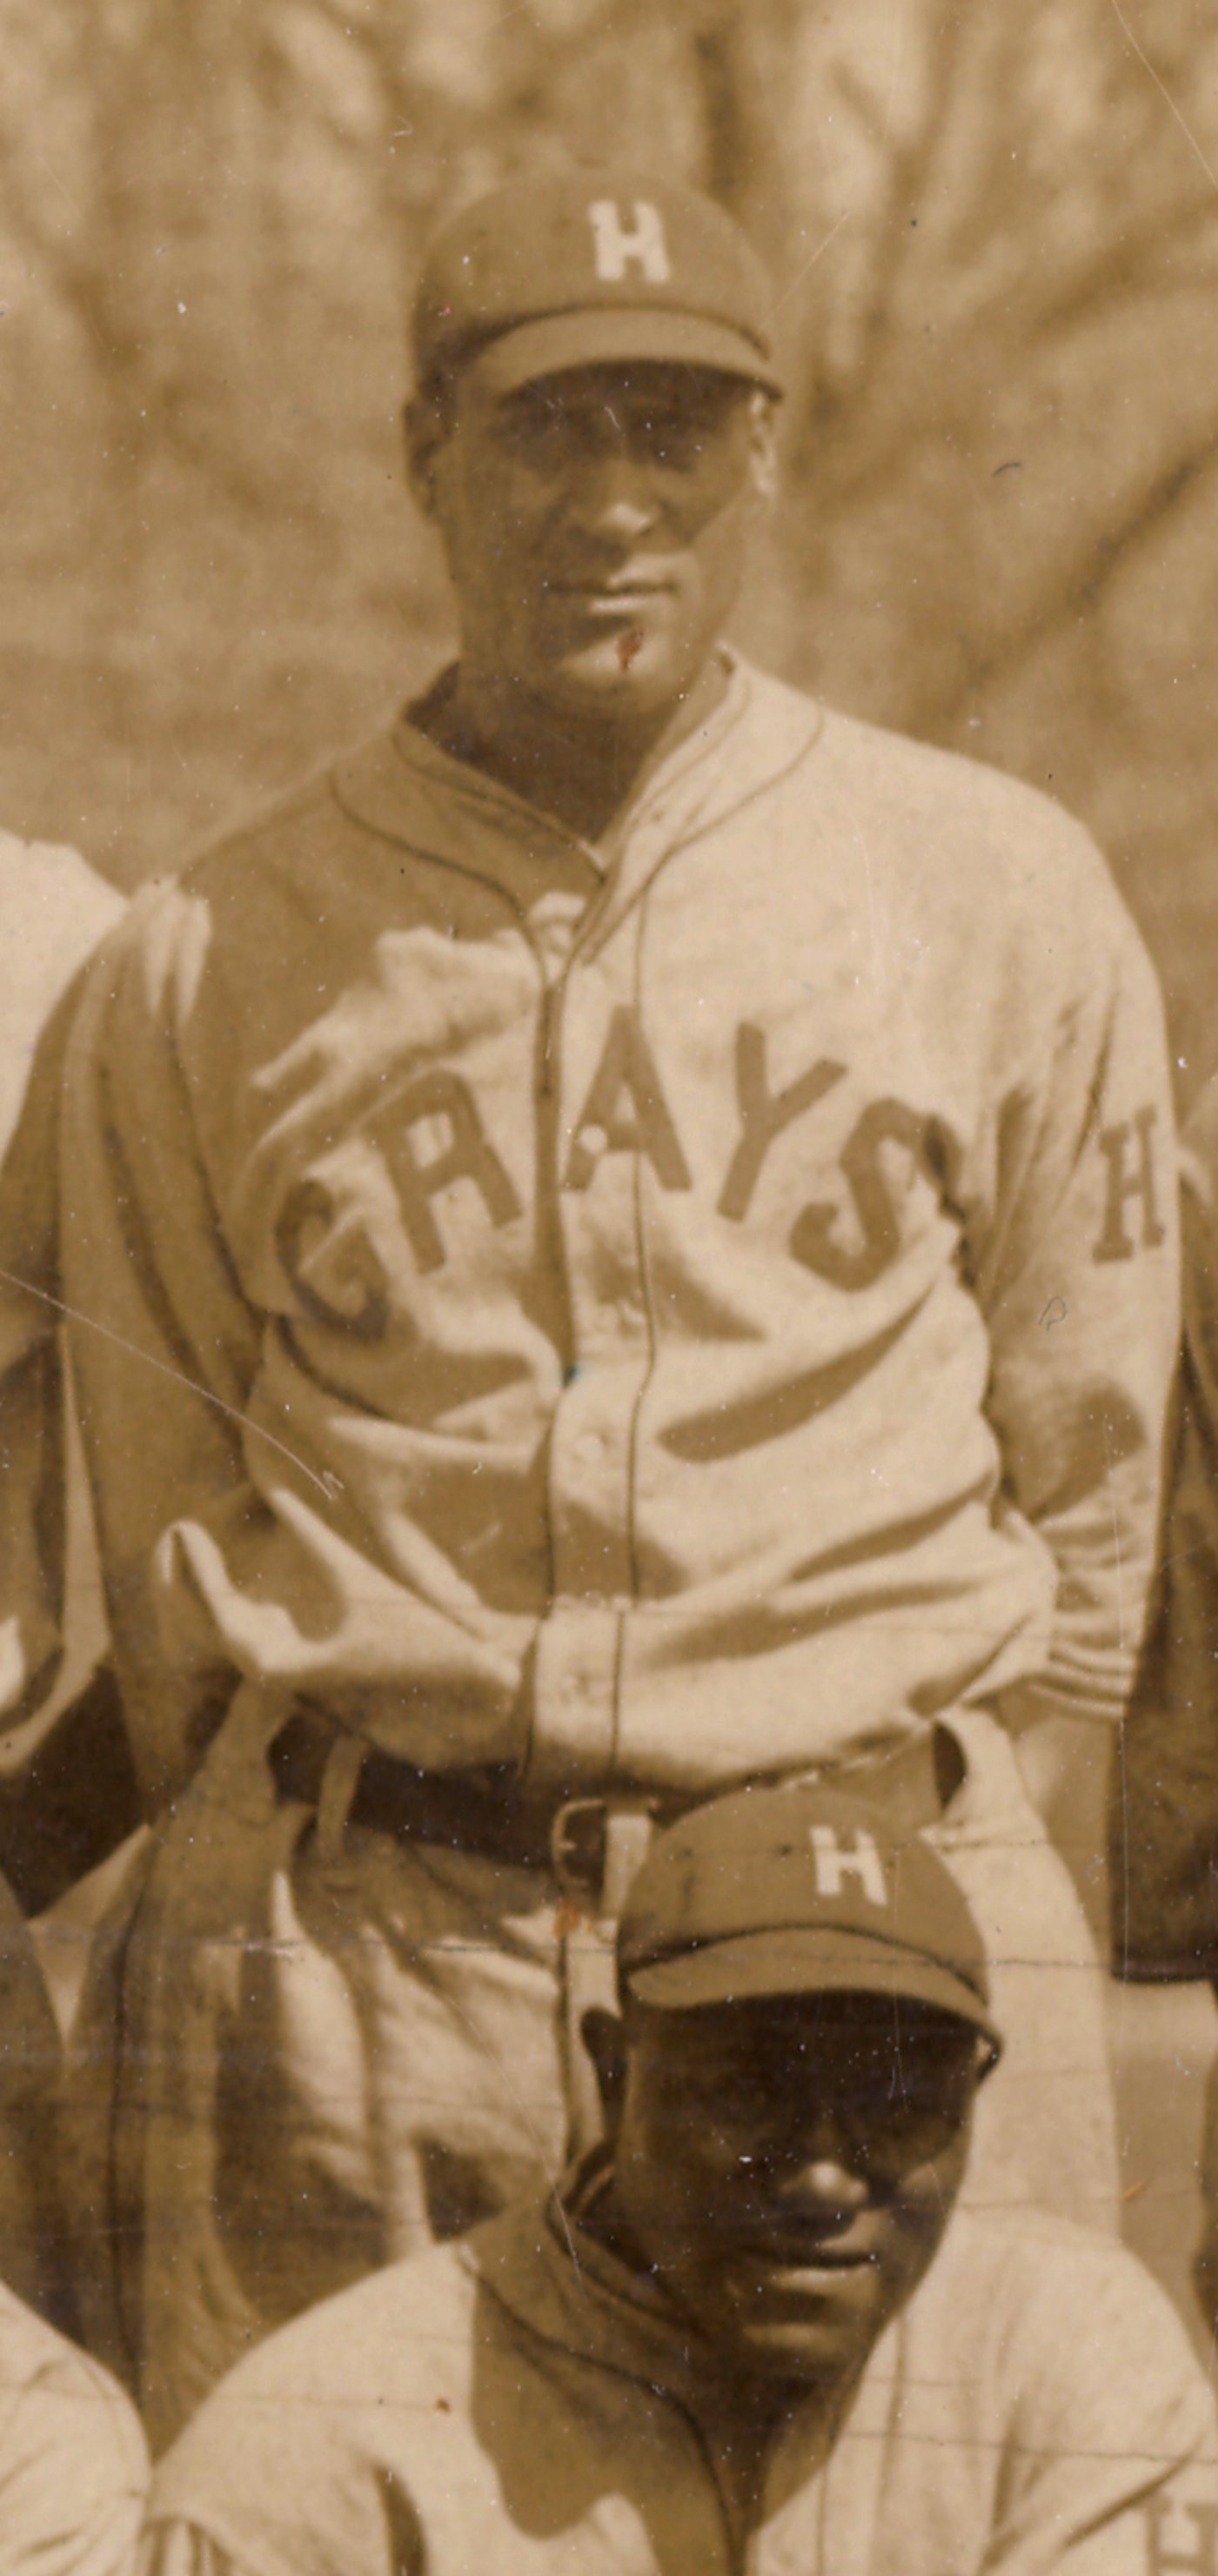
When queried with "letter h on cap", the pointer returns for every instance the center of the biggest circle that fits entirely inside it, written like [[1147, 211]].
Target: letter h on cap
[[616, 247], [834, 1863]]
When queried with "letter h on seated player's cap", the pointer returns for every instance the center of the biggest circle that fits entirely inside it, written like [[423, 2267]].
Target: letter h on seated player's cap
[[799, 1890], [587, 268]]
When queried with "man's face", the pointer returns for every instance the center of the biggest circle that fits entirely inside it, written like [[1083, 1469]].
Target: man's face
[[788, 2167], [595, 524]]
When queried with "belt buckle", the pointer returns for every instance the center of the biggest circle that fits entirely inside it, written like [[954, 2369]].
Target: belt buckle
[[577, 1847], [596, 1845]]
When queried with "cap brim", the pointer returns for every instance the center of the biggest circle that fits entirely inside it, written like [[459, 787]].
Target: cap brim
[[794, 1962], [600, 335]]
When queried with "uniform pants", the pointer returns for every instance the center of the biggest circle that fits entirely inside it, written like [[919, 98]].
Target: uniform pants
[[308, 2048]]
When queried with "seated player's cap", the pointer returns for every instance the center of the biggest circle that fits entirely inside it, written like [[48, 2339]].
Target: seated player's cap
[[589, 267], [799, 1890]]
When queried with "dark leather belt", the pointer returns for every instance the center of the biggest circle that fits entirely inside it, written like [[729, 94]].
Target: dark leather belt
[[484, 1812], [490, 1814]]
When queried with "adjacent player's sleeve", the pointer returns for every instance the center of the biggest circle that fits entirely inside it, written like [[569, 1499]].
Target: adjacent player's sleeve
[[163, 1344], [1076, 1270], [33, 1490], [1164, 1819], [73, 2465], [54, 910]]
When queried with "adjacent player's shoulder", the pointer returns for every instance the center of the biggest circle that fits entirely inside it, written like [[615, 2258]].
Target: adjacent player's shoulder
[[48, 892], [244, 903], [53, 909]]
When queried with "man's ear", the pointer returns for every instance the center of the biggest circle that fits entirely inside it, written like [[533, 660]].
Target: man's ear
[[603, 2036], [763, 447], [985, 2059], [425, 429]]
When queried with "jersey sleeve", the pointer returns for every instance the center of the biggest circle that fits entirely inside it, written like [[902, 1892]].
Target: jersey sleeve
[[163, 1345], [33, 1488], [73, 2465], [1164, 1818], [1077, 1274]]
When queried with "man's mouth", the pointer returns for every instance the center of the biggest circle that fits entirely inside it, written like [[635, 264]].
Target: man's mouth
[[775, 2262], [621, 592]]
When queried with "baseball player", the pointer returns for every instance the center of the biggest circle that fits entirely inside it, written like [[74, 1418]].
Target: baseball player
[[746, 2334], [617, 1246]]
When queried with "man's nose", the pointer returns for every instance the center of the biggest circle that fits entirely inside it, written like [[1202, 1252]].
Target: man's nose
[[821, 2173], [615, 497]]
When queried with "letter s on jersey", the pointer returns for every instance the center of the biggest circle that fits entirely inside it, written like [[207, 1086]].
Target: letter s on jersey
[[883, 1122]]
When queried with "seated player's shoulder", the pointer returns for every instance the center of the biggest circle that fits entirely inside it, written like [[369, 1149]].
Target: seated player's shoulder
[[1073, 2331], [330, 2407]]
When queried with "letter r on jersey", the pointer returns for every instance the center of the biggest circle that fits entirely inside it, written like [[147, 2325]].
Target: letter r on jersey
[[836, 1861], [615, 245]]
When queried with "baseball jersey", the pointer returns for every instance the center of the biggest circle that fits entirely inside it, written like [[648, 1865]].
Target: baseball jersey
[[524, 2402], [658, 1322], [1164, 1838], [73, 2467]]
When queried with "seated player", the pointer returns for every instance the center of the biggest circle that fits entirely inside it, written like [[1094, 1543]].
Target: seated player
[[744, 2332]]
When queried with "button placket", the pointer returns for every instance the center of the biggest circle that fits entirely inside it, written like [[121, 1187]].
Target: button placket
[[591, 1435]]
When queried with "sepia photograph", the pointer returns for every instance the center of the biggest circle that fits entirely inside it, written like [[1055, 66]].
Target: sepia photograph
[[608, 1288]]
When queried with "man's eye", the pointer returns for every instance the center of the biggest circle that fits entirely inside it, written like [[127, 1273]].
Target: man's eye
[[674, 438]]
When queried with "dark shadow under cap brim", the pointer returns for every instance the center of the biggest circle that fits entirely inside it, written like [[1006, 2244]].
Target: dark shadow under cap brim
[[754, 1965], [615, 334]]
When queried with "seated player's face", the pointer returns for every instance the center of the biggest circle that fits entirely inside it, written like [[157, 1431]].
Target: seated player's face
[[595, 523], [789, 2168]]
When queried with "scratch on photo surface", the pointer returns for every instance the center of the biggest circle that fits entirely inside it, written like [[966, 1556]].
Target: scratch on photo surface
[[1165, 93], [326, 1481]]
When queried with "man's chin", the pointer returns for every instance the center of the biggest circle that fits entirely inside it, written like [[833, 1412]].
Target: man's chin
[[798, 2325], [813, 2353], [626, 674]]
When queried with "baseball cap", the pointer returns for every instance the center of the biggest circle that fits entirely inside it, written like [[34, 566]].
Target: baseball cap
[[799, 1890], [588, 266]]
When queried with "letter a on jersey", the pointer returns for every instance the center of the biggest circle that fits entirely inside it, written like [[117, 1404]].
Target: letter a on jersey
[[625, 1111], [617, 244], [836, 1861]]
